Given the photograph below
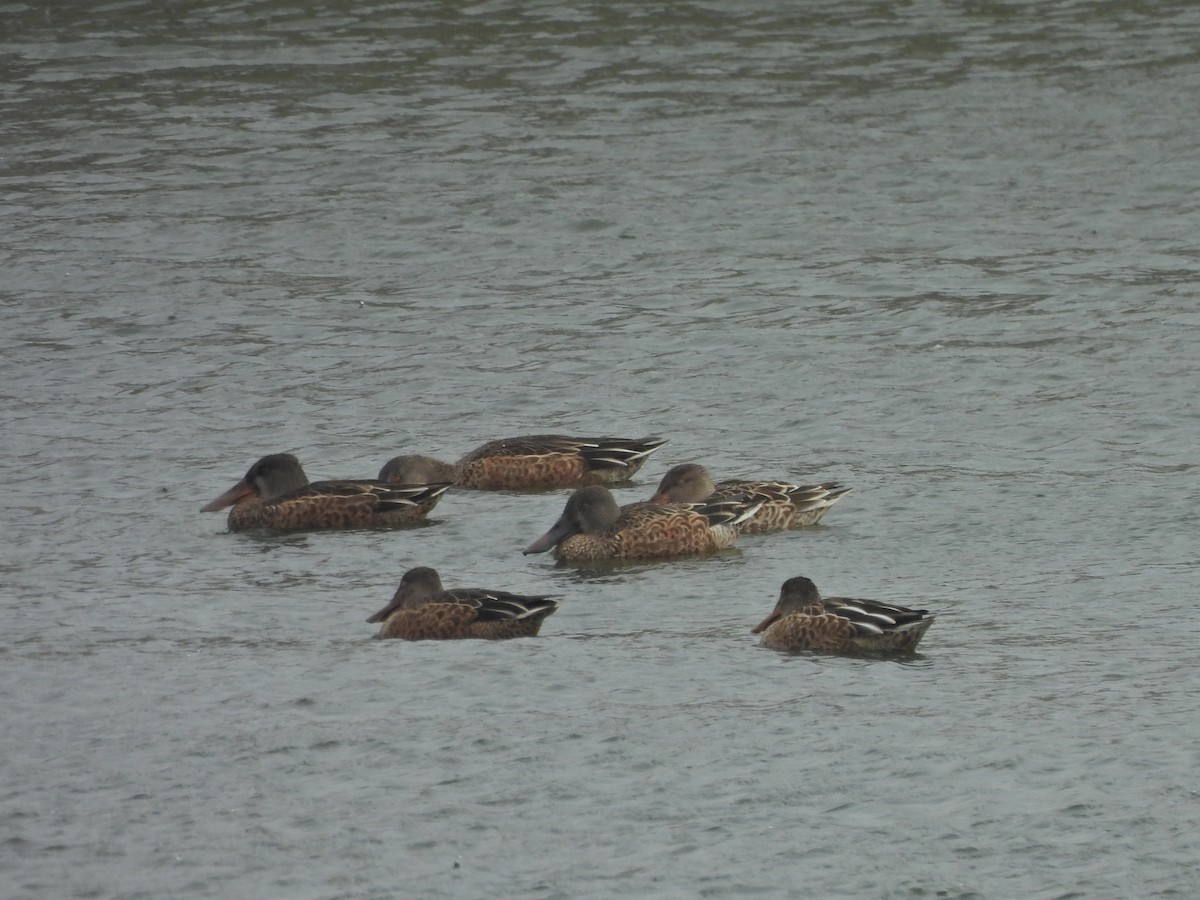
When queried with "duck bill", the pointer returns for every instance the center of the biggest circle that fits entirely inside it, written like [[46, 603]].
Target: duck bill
[[765, 623], [235, 494], [551, 538], [384, 613], [660, 498]]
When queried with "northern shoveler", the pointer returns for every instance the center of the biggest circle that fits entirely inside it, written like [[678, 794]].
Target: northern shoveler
[[277, 494], [593, 527], [804, 620], [422, 610], [532, 462], [785, 505]]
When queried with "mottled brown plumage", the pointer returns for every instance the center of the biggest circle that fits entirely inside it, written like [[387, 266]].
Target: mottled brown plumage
[[785, 505], [422, 610], [593, 527], [531, 462], [803, 620], [275, 493]]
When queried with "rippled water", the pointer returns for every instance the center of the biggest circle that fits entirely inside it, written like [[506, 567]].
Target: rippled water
[[944, 253]]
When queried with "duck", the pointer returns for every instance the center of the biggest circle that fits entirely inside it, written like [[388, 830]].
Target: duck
[[530, 462], [423, 610], [804, 620], [593, 527], [786, 505], [276, 494]]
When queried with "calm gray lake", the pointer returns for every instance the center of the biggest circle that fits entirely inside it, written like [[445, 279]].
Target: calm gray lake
[[944, 252]]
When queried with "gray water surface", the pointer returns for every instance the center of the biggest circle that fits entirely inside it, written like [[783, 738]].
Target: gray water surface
[[942, 252]]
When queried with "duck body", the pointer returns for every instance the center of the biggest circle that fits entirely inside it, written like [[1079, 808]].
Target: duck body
[[276, 494], [804, 620], [785, 504], [593, 527], [532, 462], [423, 610]]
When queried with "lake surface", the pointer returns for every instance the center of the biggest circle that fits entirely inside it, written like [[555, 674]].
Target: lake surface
[[942, 252]]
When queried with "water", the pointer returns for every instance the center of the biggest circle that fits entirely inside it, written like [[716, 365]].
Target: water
[[944, 253]]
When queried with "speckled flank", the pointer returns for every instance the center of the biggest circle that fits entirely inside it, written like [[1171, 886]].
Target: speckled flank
[[318, 511], [803, 631], [643, 533], [514, 473], [828, 633], [445, 621], [650, 531], [536, 462]]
